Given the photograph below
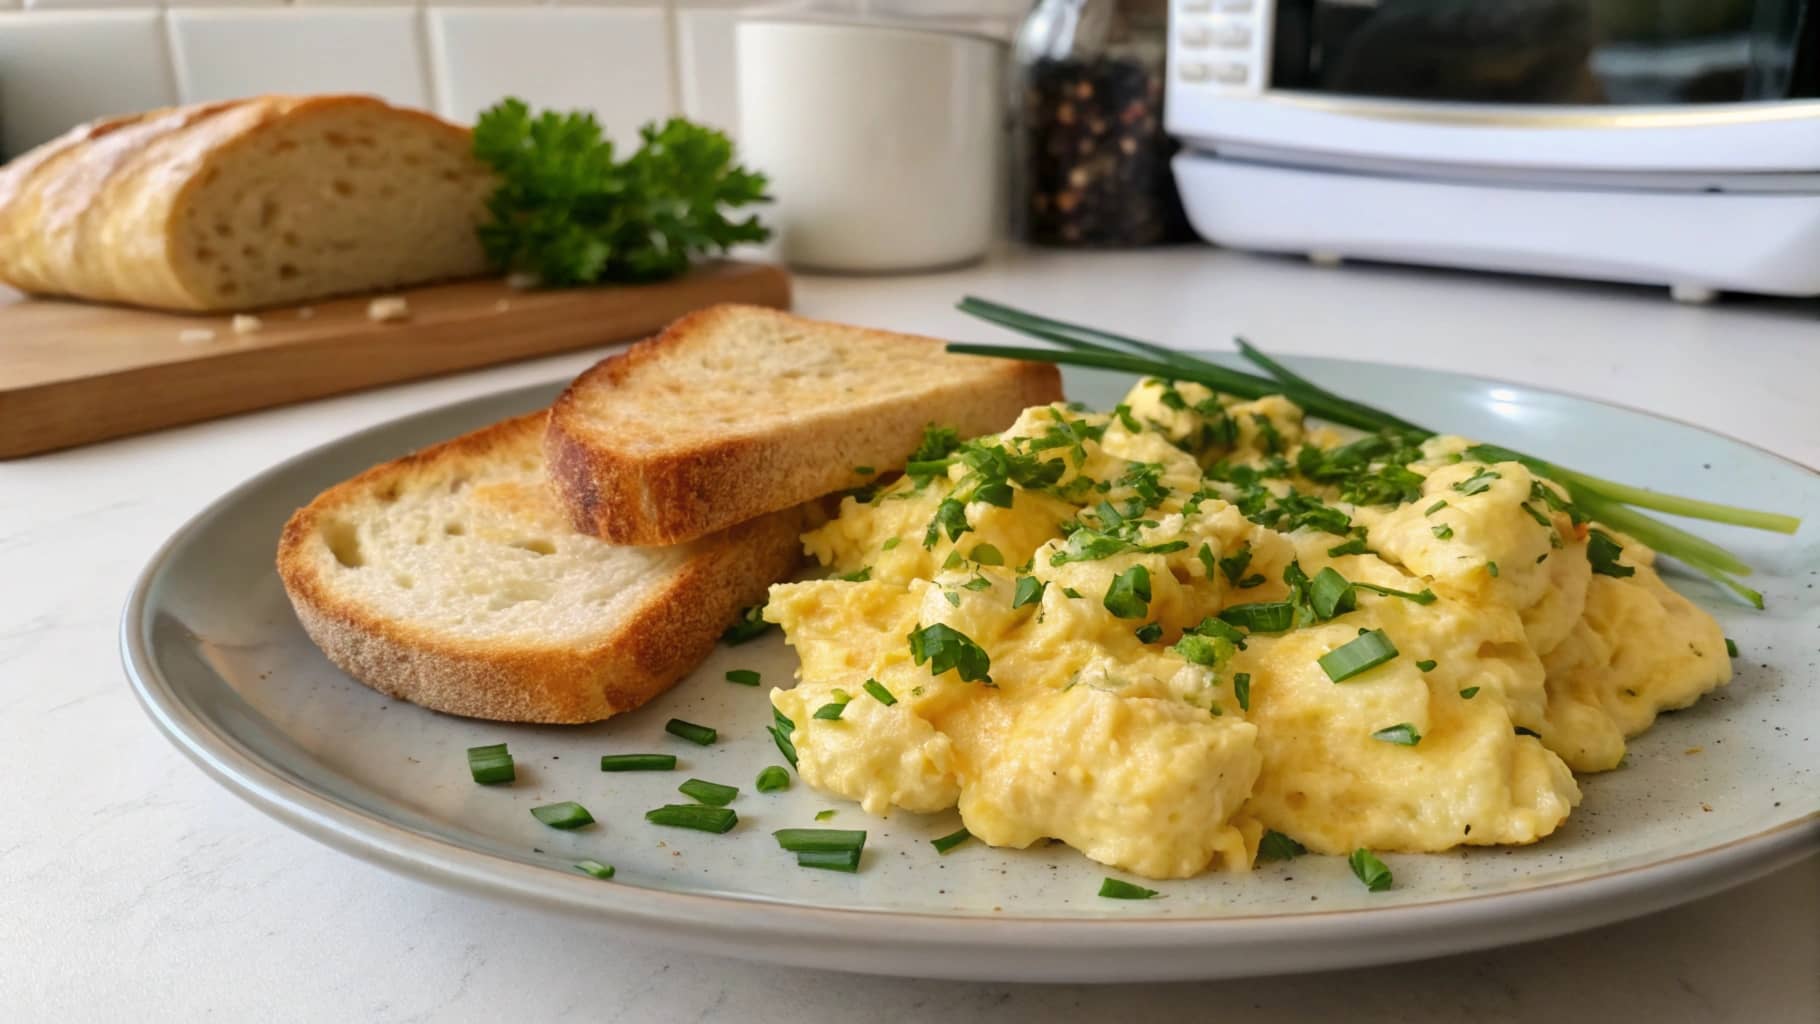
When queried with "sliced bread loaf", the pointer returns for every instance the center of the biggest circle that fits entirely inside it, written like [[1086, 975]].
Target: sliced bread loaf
[[736, 411], [242, 204], [450, 578]]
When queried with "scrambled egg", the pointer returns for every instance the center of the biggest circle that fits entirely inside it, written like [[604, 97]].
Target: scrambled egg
[[1159, 633]]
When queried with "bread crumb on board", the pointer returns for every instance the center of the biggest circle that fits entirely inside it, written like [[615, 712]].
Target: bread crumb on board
[[196, 335], [244, 324], [388, 308]]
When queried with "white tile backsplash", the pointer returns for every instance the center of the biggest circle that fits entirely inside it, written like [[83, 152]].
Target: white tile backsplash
[[228, 52], [73, 5], [631, 61], [612, 60], [709, 75], [50, 71]]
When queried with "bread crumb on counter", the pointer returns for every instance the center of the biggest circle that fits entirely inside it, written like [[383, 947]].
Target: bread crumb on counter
[[305, 312], [501, 306], [196, 335], [388, 308], [244, 324]]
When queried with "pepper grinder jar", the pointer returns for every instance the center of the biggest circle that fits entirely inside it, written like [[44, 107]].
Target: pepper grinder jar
[[1090, 156]]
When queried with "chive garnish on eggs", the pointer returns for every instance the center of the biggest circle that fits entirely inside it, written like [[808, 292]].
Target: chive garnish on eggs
[[713, 794], [565, 815], [879, 693], [1366, 651], [700, 735], [948, 842], [1370, 870], [491, 765], [695, 816], [637, 762], [1116, 889]]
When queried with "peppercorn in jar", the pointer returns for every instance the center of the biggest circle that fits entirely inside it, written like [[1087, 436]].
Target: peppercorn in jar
[[1091, 158]]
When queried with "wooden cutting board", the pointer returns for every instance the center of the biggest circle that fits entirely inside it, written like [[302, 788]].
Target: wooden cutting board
[[72, 373]]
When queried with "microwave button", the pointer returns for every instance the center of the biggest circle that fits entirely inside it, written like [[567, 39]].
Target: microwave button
[[1231, 36], [1197, 6], [1196, 35], [1233, 6], [1194, 71], [1230, 73]]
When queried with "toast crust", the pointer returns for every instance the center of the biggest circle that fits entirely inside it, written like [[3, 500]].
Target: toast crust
[[621, 495], [662, 640]]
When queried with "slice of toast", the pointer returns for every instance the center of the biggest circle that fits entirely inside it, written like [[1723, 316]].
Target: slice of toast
[[736, 411], [450, 578]]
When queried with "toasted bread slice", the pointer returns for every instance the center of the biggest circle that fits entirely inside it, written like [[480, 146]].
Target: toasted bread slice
[[449, 578], [736, 411]]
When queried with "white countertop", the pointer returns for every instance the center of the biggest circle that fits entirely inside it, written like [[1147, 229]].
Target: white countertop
[[133, 887]]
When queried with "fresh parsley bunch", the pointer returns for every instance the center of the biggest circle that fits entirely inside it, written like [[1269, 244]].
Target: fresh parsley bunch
[[568, 211]]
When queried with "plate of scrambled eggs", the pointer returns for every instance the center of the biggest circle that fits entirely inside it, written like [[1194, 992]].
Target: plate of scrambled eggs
[[1155, 684]]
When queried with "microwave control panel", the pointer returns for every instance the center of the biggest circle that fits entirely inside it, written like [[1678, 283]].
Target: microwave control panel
[[1219, 47]]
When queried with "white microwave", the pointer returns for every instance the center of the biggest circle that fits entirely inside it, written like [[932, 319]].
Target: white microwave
[[1669, 142]]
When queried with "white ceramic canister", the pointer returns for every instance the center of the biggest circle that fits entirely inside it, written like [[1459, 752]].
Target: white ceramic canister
[[883, 143]]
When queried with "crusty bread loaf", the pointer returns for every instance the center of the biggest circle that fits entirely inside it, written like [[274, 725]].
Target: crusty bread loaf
[[736, 411], [244, 204], [450, 579]]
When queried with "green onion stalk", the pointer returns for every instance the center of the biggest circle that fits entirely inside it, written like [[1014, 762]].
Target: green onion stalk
[[1607, 501]]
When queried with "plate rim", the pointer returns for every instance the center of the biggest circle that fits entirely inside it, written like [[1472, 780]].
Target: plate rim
[[940, 942]]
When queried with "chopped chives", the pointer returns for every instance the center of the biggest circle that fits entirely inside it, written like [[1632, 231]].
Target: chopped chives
[[695, 816], [491, 765], [1149, 633], [826, 815], [879, 693], [637, 762], [948, 842], [1277, 846], [1402, 734], [1436, 507], [891, 543], [772, 780], [1330, 594], [1469, 693], [711, 793], [1423, 596], [1731, 647], [1426, 665], [831, 711], [743, 676], [1367, 868], [805, 840], [780, 730], [831, 860], [1261, 616], [595, 868], [1366, 651], [1442, 532], [565, 815], [1241, 689], [1492, 567], [1115, 889], [697, 734]]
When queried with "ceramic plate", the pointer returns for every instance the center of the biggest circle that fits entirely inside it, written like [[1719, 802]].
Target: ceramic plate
[[1711, 797]]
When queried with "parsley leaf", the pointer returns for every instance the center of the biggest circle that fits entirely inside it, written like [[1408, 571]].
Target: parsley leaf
[[1029, 591], [1129, 595], [1277, 846], [567, 210], [945, 649], [1603, 552]]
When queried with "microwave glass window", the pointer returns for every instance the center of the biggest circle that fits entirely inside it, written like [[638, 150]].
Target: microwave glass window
[[1624, 52]]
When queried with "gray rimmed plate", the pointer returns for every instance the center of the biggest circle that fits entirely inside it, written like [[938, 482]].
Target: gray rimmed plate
[[1711, 797]]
